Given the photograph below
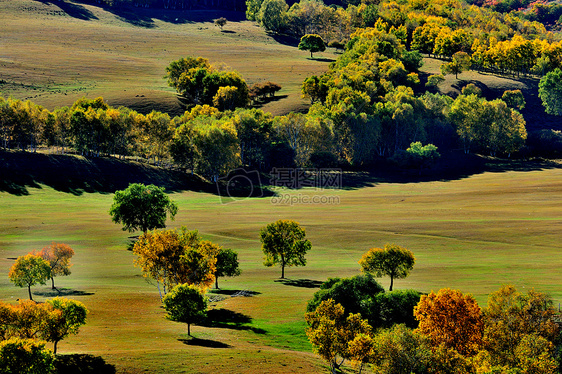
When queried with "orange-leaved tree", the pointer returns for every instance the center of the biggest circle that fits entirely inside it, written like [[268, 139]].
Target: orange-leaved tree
[[58, 255], [452, 319]]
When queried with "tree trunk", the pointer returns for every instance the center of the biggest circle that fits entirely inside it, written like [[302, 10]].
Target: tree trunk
[[29, 290], [189, 329], [391, 282], [216, 282], [55, 348], [310, 54], [53, 283]]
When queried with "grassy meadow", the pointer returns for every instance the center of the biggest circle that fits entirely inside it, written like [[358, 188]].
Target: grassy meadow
[[53, 53], [474, 234]]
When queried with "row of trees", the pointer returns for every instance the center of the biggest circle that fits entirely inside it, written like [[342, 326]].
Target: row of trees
[[38, 267]]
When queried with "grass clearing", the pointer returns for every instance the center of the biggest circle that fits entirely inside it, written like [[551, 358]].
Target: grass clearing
[[473, 234]]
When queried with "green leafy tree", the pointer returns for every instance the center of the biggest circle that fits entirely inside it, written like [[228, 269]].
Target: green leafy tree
[[185, 303], [312, 43], [58, 255], [227, 265], [65, 318], [461, 62], [417, 156], [284, 242], [29, 270], [141, 207], [315, 88], [273, 14], [352, 293], [550, 92], [25, 356], [392, 260], [253, 9]]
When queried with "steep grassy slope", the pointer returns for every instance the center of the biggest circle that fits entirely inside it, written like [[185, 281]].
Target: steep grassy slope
[[56, 52]]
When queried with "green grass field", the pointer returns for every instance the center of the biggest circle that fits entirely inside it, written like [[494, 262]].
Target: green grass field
[[474, 234]]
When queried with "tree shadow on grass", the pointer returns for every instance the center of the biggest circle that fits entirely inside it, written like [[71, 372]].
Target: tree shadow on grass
[[72, 9], [204, 343], [321, 59], [62, 292], [228, 319], [235, 293], [304, 283], [82, 364]]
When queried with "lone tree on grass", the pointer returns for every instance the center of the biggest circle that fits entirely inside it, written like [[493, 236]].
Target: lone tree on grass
[[58, 256], [312, 43], [461, 62], [220, 22], [392, 260], [141, 207], [185, 303], [284, 242], [29, 270], [227, 265]]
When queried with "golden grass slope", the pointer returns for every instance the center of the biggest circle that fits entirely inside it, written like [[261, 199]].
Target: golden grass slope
[[56, 52]]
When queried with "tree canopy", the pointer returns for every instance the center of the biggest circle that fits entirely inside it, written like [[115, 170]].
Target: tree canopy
[[284, 242], [58, 255], [185, 303], [141, 207], [550, 92], [312, 43], [227, 264], [29, 270], [392, 260], [65, 318]]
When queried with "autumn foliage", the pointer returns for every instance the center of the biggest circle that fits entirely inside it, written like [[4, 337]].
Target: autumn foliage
[[452, 319]]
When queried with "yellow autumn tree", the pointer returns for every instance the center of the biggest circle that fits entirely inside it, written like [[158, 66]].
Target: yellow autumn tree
[[173, 257], [330, 332]]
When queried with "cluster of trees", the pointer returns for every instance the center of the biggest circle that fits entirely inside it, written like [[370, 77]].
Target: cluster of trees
[[51, 321], [403, 332], [201, 83], [38, 267], [444, 332], [27, 326]]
